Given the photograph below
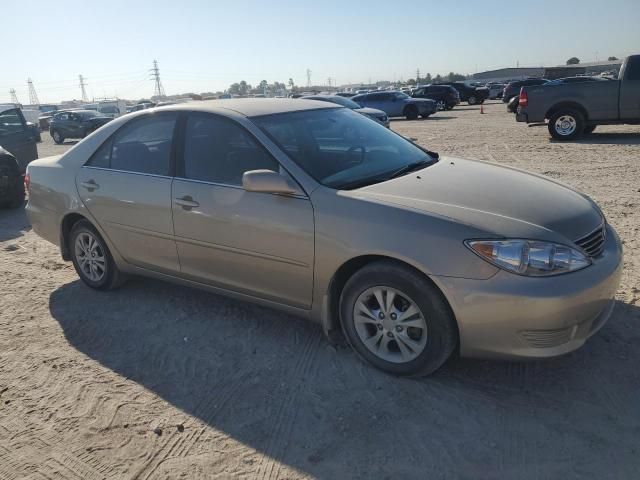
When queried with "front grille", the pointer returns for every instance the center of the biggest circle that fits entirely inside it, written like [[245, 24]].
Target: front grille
[[547, 338], [593, 243]]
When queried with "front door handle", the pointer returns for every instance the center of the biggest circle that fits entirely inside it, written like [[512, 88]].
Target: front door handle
[[90, 185], [186, 202]]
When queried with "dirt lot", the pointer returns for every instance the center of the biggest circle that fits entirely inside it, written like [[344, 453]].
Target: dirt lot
[[235, 390]]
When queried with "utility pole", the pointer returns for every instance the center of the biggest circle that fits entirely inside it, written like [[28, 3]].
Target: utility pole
[[14, 97], [329, 81], [308, 77], [33, 96], [417, 76], [82, 85], [155, 76]]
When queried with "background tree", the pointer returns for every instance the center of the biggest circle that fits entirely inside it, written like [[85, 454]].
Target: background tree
[[244, 88], [437, 78], [234, 89], [411, 81], [291, 84], [262, 87], [427, 78], [611, 59], [573, 61]]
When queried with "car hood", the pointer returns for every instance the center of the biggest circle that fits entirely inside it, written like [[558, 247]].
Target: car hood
[[502, 201], [371, 112]]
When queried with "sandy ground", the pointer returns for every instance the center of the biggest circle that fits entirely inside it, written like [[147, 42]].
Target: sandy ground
[[158, 381]]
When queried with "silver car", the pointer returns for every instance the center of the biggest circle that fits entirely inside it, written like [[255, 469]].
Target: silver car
[[314, 209]]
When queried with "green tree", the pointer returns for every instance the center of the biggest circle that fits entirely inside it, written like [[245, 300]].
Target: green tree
[[291, 84], [437, 78], [234, 89], [244, 88], [573, 61], [411, 81]]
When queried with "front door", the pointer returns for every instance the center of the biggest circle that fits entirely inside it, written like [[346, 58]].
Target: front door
[[259, 244], [16, 138], [630, 90], [126, 185]]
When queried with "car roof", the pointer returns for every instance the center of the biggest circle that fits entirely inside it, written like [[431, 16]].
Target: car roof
[[252, 107]]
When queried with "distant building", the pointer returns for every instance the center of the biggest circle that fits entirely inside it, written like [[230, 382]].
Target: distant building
[[590, 68], [504, 74]]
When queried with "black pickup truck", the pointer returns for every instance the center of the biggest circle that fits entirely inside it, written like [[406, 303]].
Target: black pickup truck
[[574, 108]]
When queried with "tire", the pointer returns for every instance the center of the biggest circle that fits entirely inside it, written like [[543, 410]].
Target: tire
[[411, 112], [111, 277], [57, 137], [566, 125], [589, 129], [441, 105], [424, 348], [472, 100]]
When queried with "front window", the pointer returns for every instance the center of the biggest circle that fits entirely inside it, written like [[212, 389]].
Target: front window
[[342, 149]]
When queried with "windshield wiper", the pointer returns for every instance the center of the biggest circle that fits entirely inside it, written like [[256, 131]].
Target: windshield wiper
[[411, 167]]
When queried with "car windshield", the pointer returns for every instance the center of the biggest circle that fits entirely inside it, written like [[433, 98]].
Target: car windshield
[[342, 149], [401, 95]]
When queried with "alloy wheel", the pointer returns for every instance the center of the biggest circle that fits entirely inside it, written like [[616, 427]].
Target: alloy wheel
[[441, 105], [90, 256], [565, 125], [390, 324]]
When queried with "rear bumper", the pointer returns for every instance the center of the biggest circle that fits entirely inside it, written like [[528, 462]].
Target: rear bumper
[[510, 316], [522, 117]]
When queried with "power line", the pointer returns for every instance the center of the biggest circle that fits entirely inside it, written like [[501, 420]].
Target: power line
[[14, 97], [84, 92], [33, 96], [155, 75]]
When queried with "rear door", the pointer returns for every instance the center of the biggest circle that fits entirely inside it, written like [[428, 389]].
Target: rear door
[[126, 185], [16, 138], [255, 243], [630, 89]]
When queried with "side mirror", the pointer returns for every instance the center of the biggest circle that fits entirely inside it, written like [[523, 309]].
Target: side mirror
[[266, 181]]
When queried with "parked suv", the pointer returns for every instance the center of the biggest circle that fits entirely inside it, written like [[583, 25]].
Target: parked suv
[[445, 96], [397, 104], [471, 95], [17, 137], [75, 124], [512, 89]]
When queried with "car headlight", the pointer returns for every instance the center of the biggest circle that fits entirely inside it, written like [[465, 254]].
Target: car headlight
[[530, 257]]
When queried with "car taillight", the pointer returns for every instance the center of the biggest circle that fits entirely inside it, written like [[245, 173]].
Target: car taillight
[[27, 181], [523, 101]]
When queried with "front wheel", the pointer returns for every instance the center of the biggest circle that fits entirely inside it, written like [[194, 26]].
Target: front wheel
[[472, 100], [59, 139], [92, 259], [566, 125], [397, 320], [411, 112]]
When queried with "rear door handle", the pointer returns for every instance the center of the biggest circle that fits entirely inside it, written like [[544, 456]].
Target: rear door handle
[[186, 202], [90, 185]]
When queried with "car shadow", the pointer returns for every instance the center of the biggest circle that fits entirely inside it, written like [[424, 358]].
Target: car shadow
[[13, 223], [435, 116], [273, 383], [606, 138]]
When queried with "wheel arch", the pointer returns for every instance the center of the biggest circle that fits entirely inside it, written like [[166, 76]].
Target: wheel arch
[[331, 320], [67, 223], [569, 106]]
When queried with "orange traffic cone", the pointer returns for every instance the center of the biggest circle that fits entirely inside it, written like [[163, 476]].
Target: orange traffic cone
[[481, 108]]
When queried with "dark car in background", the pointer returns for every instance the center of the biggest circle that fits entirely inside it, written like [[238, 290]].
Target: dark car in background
[[377, 115], [512, 89], [469, 93], [11, 181], [397, 104], [75, 124], [17, 137], [445, 96], [345, 94]]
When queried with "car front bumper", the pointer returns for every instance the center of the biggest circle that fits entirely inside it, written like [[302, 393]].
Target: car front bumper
[[511, 316]]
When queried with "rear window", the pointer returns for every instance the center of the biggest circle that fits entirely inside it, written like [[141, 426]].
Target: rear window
[[10, 122]]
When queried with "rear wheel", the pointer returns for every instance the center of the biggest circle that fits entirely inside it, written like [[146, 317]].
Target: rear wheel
[[411, 112], [396, 320], [566, 124], [92, 259], [441, 105], [472, 100], [589, 129], [57, 137]]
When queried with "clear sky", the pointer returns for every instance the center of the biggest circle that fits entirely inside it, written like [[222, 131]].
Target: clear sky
[[205, 45]]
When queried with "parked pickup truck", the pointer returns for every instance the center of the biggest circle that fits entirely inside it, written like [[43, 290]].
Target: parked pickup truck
[[572, 109]]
